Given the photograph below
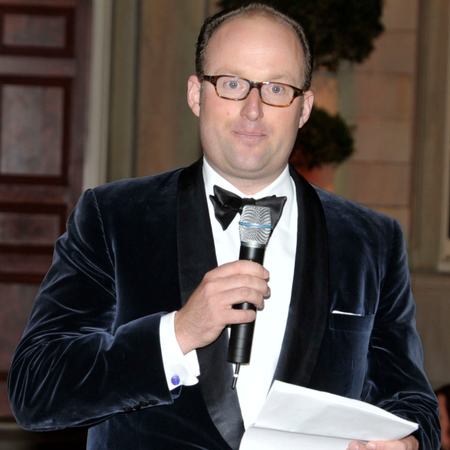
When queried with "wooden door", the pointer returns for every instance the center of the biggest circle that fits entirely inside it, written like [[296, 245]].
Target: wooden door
[[44, 55]]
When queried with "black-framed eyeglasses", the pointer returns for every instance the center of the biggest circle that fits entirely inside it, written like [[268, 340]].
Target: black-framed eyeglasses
[[271, 93]]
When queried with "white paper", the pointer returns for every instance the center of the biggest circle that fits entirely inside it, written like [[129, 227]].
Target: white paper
[[263, 439], [305, 415]]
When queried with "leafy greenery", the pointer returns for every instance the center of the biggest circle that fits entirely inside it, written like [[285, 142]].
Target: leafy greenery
[[324, 139], [337, 29]]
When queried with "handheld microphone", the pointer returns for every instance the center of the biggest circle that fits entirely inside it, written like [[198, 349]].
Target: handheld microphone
[[254, 231]]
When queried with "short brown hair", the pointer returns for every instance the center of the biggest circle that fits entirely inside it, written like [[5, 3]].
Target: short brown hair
[[212, 24]]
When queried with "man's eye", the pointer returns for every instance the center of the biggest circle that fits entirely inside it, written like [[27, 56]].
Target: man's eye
[[232, 84], [276, 89]]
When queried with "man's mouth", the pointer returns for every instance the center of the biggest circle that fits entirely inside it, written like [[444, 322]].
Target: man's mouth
[[251, 136]]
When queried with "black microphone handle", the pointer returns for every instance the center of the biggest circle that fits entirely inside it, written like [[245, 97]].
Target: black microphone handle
[[241, 335], [252, 253]]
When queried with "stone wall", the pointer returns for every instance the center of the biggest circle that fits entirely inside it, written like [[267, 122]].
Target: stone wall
[[397, 102], [377, 97]]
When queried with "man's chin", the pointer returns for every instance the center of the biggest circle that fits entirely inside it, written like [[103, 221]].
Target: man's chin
[[253, 176]]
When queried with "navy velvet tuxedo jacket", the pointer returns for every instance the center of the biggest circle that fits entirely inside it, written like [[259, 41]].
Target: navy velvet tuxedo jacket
[[138, 248]]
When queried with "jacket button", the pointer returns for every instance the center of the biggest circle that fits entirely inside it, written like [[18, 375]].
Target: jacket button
[[153, 401], [128, 409]]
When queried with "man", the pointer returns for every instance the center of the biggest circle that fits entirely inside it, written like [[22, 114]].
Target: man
[[105, 346]]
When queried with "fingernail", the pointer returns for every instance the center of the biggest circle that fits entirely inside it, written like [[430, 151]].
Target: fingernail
[[371, 446]]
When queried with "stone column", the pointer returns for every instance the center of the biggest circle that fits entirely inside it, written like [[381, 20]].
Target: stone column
[[167, 133]]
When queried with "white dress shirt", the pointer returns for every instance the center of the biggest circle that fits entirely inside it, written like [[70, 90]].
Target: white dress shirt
[[255, 378]]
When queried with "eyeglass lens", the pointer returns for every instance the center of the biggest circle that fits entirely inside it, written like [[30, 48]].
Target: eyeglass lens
[[235, 88]]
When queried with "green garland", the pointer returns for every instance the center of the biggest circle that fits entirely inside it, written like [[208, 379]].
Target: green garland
[[324, 139]]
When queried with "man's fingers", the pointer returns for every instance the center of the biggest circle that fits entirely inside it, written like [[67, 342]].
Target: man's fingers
[[240, 267], [241, 316], [240, 288], [210, 308], [408, 443]]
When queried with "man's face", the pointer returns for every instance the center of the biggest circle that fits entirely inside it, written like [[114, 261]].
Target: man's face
[[249, 142]]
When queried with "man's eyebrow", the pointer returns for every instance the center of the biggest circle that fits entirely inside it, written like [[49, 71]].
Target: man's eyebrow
[[238, 73], [228, 71]]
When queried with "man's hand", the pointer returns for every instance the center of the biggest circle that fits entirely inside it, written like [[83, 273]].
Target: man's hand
[[209, 310], [408, 443]]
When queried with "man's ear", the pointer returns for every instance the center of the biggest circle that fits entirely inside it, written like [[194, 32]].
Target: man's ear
[[308, 100], [193, 94]]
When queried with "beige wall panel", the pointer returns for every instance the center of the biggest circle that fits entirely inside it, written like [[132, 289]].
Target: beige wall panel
[[383, 140], [401, 14], [378, 99], [384, 96], [379, 184], [325, 88], [395, 52], [168, 130]]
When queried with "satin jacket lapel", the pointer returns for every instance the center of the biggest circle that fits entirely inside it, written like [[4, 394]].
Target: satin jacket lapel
[[196, 256], [309, 303]]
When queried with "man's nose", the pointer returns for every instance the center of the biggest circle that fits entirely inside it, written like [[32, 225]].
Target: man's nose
[[253, 106]]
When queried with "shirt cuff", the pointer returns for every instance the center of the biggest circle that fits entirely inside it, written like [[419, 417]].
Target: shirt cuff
[[180, 370]]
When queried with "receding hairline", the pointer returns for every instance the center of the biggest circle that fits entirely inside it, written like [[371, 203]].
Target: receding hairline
[[269, 15], [215, 22]]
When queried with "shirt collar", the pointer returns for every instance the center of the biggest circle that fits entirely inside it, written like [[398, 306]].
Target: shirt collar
[[282, 186]]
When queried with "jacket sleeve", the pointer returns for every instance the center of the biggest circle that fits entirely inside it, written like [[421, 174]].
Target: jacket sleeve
[[73, 366], [395, 379]]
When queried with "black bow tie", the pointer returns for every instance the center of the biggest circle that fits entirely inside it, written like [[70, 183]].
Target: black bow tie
[[227, 205]]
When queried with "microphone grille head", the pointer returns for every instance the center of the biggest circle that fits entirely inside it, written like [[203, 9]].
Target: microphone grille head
[[255, 225]]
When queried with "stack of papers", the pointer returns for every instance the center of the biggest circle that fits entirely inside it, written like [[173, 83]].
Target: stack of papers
[[294, 417]]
